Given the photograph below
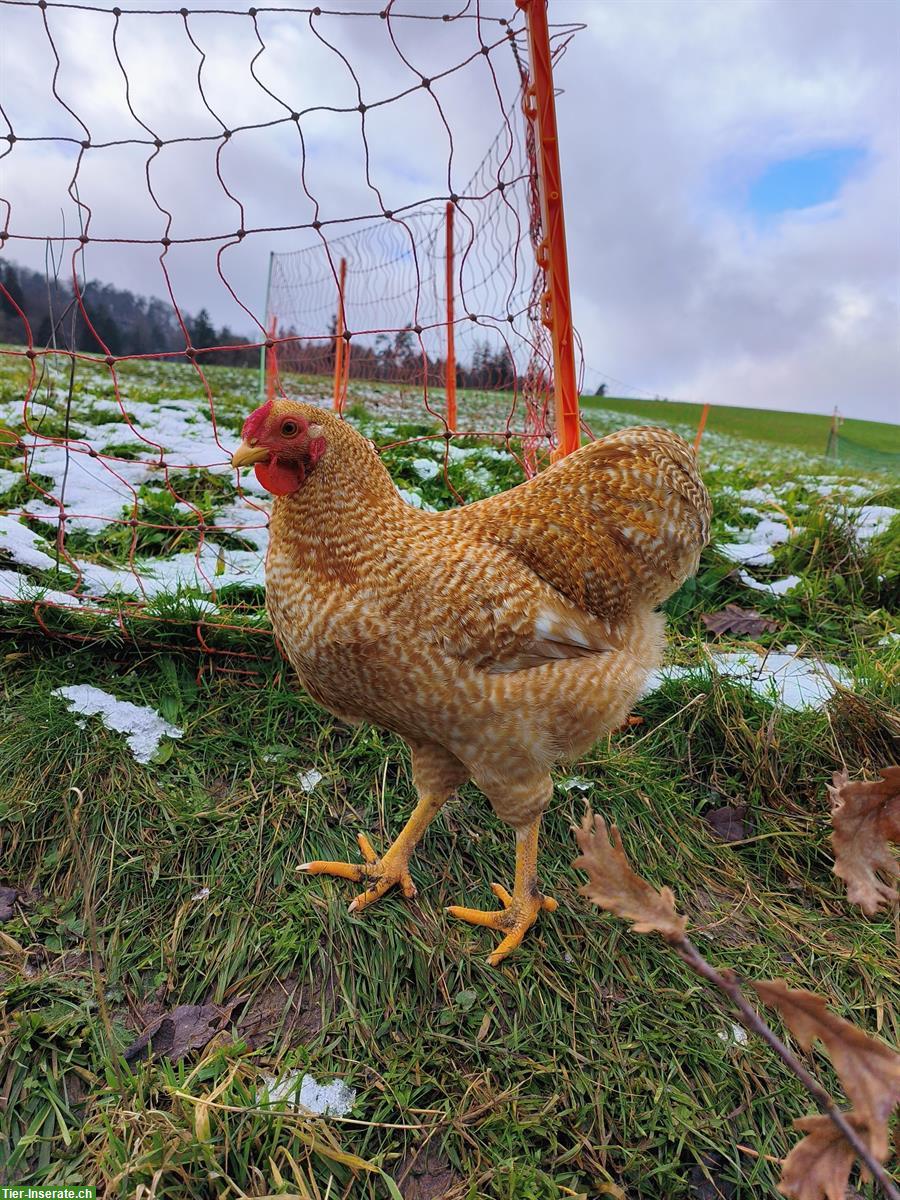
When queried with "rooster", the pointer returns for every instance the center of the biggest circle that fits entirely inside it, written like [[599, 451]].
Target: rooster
[[495, 639]]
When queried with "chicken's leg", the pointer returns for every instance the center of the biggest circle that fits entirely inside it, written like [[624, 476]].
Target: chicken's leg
[[519, 910], [383, 873]]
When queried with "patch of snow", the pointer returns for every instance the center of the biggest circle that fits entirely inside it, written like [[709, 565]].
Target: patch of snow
[[415, 500], [872, 519], [23, 545], [200, 607], [92, 489], [202, 571], [482, 478], [211, 567], [736, 1036], [9, 479], [829, 486], [576, 783], [310, 779], [245, 521], [144, 726], [173, 435], [203, 894], [777, 587], [856, 490], [751, 553], [16, 586], [781, 678], [758, 495], [324, 1099], [755, 550], [426, 468]]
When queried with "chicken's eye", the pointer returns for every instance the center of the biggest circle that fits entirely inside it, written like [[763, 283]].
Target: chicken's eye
[[290, 429]]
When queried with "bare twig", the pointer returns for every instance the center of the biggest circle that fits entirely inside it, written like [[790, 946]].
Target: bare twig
[[727, 982], [614, 886]]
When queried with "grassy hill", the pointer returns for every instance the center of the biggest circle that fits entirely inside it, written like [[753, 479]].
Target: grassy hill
[[806, 431]]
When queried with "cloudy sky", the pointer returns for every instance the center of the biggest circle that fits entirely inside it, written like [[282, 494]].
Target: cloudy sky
[[731, 167]]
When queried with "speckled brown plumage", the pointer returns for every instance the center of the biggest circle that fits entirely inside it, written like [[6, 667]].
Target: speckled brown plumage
[[496, 638]]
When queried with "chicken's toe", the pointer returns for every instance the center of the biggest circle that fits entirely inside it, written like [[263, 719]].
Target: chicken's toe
[[381, 874], [352, 871], [390, 876], [513, 920]]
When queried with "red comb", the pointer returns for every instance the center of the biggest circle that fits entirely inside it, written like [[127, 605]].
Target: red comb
[[254, 423]]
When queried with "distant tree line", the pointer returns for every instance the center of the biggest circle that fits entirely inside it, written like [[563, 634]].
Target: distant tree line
[[130, 324], [397, 358], [125, 323]]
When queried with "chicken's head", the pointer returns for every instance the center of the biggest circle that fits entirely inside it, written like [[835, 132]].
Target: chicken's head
[[282, 444]]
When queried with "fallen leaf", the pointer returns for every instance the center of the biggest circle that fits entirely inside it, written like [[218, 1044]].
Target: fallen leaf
[[615, 887], [727, 822], [734, 619], [425, 1175], [819, 1166], [7, 903], [869, 1070], [175, 1034], [865, 817], [284, 1011]]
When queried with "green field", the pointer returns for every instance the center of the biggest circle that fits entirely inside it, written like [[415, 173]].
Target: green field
[[806, 431], [591, 1064]]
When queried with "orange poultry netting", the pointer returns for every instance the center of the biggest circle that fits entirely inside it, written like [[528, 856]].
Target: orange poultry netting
[[441, 301], [376, 159]]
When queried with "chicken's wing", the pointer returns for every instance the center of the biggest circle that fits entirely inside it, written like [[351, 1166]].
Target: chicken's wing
[[616, 525]]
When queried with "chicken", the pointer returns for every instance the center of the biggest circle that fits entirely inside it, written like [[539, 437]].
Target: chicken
[[496, 639]]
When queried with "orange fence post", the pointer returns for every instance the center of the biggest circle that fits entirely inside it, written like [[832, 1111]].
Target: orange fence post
[[701, 426], [540, 107], [272, 362], [450, 372], [341, 349]]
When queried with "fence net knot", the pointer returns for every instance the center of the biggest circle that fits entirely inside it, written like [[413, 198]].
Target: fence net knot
[[190, 222]]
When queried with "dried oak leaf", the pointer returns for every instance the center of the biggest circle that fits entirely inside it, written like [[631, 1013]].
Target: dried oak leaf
[[869, 1070], [734, 619], [865, 818], [614, 886], [727, 822], [175, 1034], [819, 1166]]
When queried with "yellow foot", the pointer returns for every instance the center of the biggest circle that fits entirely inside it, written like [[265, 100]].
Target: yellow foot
[[514, 919], [382, 873]]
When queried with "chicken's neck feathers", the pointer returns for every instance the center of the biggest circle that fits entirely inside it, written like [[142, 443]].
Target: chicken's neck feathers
[[345, 512]]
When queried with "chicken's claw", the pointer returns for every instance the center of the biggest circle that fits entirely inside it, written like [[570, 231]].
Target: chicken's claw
[[381, 874], [514, 919]]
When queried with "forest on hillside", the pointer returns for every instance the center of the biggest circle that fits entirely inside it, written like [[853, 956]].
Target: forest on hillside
[[122, 324]]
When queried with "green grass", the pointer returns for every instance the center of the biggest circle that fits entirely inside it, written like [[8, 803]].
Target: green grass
[[806, 431], [591, 1064], [591, 1058]]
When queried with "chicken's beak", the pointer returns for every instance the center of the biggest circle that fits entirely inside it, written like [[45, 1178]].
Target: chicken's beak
[[247, 454]]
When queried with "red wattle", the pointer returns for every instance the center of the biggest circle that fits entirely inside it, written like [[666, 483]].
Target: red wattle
[[279, 476]]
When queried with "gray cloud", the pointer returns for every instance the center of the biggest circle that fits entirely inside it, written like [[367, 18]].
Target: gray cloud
[[677, 289], [667, 111]]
